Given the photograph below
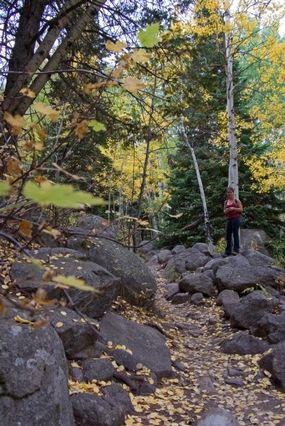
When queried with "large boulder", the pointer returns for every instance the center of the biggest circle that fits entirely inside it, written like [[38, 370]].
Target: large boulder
[[163, 256], [248, 313], [195, 260], [176, 264], [241, 277], [256, 258], [199, 282], [60, 261], [228, 298], [254, 239], [272, 327], [33, 376], [77, 336], [146, 343], [137, 283], [93, 410], [243, 343], [274, 362], [97, 225]]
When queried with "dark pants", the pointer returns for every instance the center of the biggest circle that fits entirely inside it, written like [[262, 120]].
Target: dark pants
[[232, 230]]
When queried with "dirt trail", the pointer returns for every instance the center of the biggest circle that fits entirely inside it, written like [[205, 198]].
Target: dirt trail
[[203, 375]]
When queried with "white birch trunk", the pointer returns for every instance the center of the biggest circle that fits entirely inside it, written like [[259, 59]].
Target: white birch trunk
[[233, 176], [201, 188]]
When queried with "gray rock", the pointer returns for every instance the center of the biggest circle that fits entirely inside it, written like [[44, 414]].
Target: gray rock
[[203, 248], [33, 372], [145, 247], [195, 260], [197, 299], [146, 343], [176, 264], [241, 277], [206, 384], [76, 374], [163, 256], [137, 283], [274, 362], [75, 335], [272, 327], [115, 394], [199, 282], [237, 261], [179, 298], [249, 311], [97, 224], [218, 417], [234, 381], [29, 277], [254, 239], [125, 358], [171, 290], [257, 258], [243, 343], [92, 410], [214, 264], [178, 249], [97, 369], [228, 298]]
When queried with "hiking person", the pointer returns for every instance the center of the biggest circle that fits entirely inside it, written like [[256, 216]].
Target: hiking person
[[232, 209]]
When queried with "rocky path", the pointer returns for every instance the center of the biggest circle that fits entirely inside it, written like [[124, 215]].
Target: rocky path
[[204, 377]]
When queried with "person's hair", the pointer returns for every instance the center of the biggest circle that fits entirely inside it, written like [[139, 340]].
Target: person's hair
[[231, 189]]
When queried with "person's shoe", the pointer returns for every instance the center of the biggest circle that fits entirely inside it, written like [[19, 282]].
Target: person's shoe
[[226, 255], [235, 252]]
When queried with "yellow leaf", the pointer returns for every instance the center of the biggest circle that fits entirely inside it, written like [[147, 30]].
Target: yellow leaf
[[21, 320], [14, 166], [51, 231], [115, 47], [26, 228], [51, 113], [81, 129], [91, 87], [17, 122], [59, 324], [40, 179], [28, 92], [140, 56], [133, 84], [72, 281]]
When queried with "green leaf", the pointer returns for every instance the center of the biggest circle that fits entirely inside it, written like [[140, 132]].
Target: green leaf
[[72, 281], [96, 126], [149, 36], [4, 189], [59, 195]]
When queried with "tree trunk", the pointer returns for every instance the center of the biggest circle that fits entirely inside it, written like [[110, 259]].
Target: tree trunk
[[201, 187], [233, 177], [30, 63]]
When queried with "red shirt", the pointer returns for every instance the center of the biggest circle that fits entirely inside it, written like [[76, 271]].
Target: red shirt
[[232, 214]]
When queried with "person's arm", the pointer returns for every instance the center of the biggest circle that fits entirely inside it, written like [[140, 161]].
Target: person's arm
[[239, 207]]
